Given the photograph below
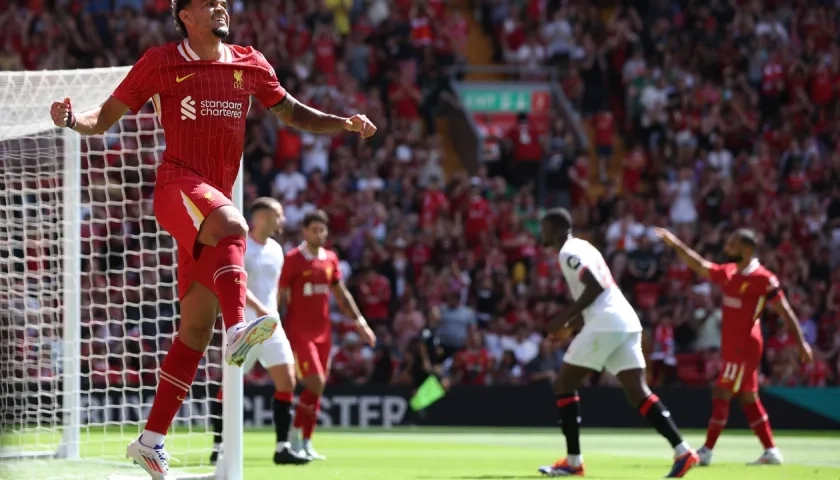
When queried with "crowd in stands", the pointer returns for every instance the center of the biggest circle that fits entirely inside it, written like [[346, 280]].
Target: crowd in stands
[[706, 116]]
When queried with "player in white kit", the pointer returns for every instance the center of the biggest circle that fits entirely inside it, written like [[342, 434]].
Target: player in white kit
[[263, 263], [610, 339]]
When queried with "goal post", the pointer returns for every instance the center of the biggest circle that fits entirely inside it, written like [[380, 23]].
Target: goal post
[[88, 294]]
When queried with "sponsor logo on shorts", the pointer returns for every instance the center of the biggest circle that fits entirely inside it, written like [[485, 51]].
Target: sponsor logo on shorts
[[210, 108]]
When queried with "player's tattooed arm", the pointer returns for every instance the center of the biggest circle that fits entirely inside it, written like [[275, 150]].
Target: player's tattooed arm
[[783, 309], [304, 117], [692, 259], [95, 121]]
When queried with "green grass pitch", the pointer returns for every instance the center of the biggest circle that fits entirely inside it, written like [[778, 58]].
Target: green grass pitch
[[488, 454]]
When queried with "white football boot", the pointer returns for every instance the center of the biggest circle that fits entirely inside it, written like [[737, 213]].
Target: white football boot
[[705, 455], [771, 456], [248, 336], [154, 460]]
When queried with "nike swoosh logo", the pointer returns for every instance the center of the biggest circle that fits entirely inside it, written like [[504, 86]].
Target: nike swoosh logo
[[181, 79]]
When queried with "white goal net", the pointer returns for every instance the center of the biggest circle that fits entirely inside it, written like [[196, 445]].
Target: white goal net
[[87, 289]]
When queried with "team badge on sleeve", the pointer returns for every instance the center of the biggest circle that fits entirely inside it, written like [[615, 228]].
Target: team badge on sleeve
[[573, 262]]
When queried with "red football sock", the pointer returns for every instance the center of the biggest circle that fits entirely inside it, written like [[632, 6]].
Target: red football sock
[[720, 415], [306, 413], [176, 377], [757, 418], [230, 280]]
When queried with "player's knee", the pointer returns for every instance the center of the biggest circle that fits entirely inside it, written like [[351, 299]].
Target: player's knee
[[195, 336], [319, 383], [233, 227], [224, 222], [721, 393], [747, 397], [636, 395]]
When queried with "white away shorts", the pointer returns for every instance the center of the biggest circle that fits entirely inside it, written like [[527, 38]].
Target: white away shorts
[[272, 352], [611, 351]]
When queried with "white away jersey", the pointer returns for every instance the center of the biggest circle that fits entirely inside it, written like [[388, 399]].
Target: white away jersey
[[610, 312], [263, 262]]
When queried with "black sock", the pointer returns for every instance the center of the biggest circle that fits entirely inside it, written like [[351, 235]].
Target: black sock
[[659, 416], [216, 420], [568, 411], [282, 419]]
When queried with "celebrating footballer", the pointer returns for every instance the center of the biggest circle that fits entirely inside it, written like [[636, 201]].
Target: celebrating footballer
[[201, 89], [747, 287]]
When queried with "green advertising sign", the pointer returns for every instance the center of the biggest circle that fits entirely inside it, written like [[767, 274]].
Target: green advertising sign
[[503, 100]]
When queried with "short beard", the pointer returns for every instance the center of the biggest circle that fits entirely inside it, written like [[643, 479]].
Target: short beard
[[221, 32], [733, 258]]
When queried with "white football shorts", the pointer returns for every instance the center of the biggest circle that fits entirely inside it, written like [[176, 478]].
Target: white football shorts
[[272, 352], [611, 351]]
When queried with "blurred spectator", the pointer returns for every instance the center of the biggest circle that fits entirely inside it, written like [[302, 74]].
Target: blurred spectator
[[353, 362], [456, 320], [374, 297], [543, 368], [472, 365]]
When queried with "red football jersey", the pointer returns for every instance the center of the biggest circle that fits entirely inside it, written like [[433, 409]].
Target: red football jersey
[[202, 106], [745, 294], [309, 278]]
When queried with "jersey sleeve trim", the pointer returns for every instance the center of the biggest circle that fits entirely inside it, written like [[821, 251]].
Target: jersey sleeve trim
[[270, 93], [280, 97], [775, 295], [129, 102], [717, 273], [285, 96]]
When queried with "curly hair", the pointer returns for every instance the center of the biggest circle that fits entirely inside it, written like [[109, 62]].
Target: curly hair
[[177, 6]]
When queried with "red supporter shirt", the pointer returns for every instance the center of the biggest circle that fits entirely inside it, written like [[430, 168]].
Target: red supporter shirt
[[325, 60], [474, 365], [526, 144], [422, 33], [604, 129], [772, 78], [778, 343], [376, 294], [308, 279], [202, 106], [404, 100], [434, 202], [420, 254], [822, 87], [745, 294], [479, 218]]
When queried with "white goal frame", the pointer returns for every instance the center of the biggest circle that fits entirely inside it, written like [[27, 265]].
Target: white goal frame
[[26, 118]]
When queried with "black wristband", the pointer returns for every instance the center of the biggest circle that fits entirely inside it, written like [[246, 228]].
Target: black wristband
[[71, 121]]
